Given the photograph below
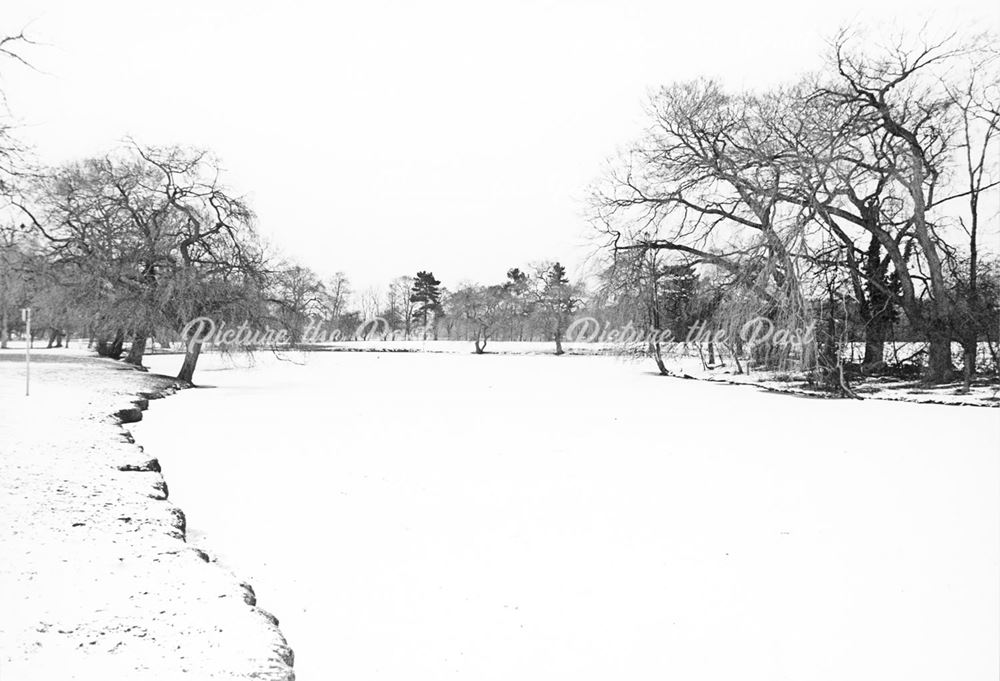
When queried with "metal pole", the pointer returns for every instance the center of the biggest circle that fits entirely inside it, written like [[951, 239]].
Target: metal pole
[[26, 316]]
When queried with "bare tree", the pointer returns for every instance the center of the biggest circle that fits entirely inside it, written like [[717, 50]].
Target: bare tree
[[706, 183], [155, 238], [846, 171], [483, 307], [13, 159], [400, 289], [896, 93], [371, 303], [298, 296], [338, 290], [979, 117]]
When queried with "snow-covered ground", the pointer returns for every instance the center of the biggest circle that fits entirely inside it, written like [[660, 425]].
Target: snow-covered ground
[[96, 581], [430, 516]]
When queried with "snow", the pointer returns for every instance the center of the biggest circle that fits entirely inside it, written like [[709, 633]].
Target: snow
[[429, 516], [96, 581]]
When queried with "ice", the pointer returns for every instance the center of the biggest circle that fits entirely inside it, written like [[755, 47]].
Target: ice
[[430, 516]]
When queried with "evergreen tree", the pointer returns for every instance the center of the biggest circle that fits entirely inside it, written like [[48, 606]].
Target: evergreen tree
[[518, 303], [559, 300], [426, 293], [557, 276]]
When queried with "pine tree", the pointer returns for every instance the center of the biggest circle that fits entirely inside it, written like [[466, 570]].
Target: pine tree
[[557, 276], [559, 299], [426, 293], [517, 293]]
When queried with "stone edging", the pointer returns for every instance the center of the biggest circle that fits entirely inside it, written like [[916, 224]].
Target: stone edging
[[134, 413]]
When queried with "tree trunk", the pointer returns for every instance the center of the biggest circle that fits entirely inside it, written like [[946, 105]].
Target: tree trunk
[[111, 348], [4, 329], [878, 320], [736, 359], [654, 348], [970, 348], [993, 351], [117, 344], [874, 357], [828, 357], [970, 335], [969, 360], [190, 362], [55, 338], [137, 350], [876, 307], [939, 367]]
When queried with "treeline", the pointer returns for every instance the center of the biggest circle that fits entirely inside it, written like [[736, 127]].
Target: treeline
[[528, 305], [859, 197], [861, 200], [126, 249]]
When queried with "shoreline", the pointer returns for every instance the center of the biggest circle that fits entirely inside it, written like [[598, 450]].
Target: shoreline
[[984, 393], [94, 557], [688, 368]]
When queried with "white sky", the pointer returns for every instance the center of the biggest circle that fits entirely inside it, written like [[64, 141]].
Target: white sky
[[383, 137]]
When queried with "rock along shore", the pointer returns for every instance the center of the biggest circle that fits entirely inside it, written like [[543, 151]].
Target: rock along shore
[[96, 578]]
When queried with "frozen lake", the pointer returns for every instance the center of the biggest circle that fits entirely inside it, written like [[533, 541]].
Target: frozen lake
[[431, 516]]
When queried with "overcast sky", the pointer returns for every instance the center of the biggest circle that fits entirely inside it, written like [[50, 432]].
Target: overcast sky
[[386, 136]]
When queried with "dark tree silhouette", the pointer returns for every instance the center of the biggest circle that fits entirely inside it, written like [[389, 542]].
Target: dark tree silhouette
[[426, 293]]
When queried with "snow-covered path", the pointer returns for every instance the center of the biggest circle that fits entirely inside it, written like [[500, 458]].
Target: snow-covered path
[[420, 516]]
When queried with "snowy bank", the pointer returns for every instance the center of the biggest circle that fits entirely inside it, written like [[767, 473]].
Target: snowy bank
[[96, 578]]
